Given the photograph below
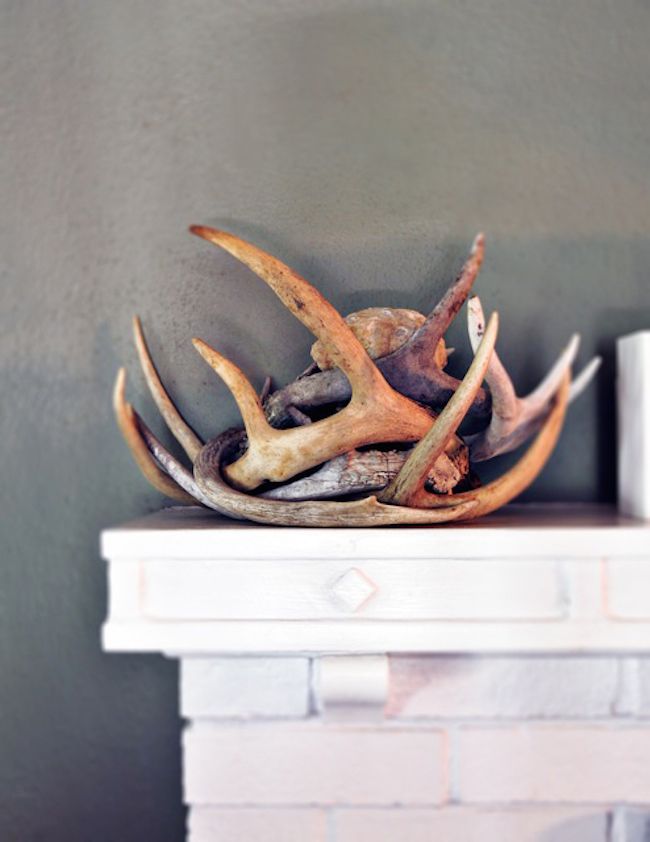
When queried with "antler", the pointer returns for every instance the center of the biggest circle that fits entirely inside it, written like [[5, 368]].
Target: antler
[[413, 369], [209, 488], [366, 471], [376, 413], [515, 419], [410, 480], [366, 512], [491, 497]]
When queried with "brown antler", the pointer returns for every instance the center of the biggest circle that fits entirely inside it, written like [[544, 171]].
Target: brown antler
[[413, 370], [515, 419], [208, 487], [491, 497], [376, 412], [411, 479]]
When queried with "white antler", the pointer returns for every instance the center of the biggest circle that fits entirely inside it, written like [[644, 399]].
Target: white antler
[[515, 419]]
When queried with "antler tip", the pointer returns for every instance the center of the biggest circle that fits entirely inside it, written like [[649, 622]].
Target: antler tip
[[202, 231], [120, 380], [213, 358]]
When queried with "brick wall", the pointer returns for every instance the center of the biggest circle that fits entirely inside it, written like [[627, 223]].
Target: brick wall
[[468, 748]]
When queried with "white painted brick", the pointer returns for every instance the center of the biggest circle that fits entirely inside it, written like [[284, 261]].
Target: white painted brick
[[311, 763], [245, 687], [570, 764], [628, 588], [628, 698], [643, 687], [212, 824], [630, 825], [464, 824], [498, 687]]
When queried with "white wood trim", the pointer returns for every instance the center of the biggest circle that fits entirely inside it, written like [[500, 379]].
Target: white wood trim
[[369, 637], [514, 532], [535, 579]]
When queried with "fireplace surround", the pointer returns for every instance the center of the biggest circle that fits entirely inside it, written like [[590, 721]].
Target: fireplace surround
[[480, 681]]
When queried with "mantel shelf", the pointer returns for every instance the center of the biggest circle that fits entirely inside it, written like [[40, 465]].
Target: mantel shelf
[[546, 578]]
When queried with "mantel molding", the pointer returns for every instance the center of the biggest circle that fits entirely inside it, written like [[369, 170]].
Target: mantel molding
[[530, 579]]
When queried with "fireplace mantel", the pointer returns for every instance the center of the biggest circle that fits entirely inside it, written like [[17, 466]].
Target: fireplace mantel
[[547, 578], [316, 700]]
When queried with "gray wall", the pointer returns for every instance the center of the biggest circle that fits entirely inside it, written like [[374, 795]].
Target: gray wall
[[363, 142]]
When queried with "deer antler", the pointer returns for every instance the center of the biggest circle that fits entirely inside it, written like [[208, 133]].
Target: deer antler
[[410, 480], [239, 460], [376, 412], [515, 419], [413, 369], [208, 487], [491, 497]]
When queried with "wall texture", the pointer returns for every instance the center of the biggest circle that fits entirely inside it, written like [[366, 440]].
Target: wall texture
[[364, 143]]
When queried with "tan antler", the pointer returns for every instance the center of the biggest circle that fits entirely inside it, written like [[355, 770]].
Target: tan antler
[[515, 419], [410, 481], [376, 412], [132, 427], [491, 497], [180, 429], [366, 512], [413, 370], [208, 487]]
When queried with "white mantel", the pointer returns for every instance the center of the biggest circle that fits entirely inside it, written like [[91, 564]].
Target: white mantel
[[533, 579], [331, 689]]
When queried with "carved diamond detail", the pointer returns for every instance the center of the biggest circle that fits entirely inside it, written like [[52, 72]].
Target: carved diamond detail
[[352, 590]]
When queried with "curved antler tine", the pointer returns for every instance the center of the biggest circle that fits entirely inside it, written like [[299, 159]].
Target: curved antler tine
[[306, 304], [129, 423], [366, 512], [411, 478], [517, 479], [438, 321], [241, 388], [537, 400], [504, 397], [503, 490], [585, 377], [180, 429], [171, 465]]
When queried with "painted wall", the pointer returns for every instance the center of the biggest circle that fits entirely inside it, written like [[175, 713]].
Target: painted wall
[[364, 143]]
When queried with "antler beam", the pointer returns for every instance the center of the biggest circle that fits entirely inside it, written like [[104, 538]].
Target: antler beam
[[376, 413], [413, 370]]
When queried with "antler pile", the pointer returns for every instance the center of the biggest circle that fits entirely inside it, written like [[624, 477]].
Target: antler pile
[[283, 467]]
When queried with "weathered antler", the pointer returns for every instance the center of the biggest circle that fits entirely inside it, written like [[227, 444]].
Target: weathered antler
[[364, 472], [413, 475], [376, 413], [178, 426], [132, 427], [209, 488], [516, 419], [365, 512], [491, 497], [413, 369]]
